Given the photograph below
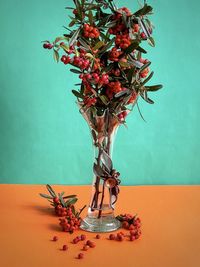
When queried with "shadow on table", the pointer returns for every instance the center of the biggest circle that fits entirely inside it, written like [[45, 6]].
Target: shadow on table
[[43, 210]]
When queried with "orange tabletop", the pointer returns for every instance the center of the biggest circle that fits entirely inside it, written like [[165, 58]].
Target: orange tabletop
[[170, 229]]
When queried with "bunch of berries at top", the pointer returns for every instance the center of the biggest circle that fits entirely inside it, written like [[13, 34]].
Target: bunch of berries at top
[[104, 48]]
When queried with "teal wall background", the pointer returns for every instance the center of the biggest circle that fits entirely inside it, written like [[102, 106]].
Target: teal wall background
[[43, 138]]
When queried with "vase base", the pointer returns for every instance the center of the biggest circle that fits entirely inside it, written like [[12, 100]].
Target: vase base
[[101, 225]]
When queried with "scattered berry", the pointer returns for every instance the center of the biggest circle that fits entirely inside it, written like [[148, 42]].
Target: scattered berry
[[98, 236], [112, 237], [83, 237], [65, 247], [80, 256], [55, 238], [85, 247]]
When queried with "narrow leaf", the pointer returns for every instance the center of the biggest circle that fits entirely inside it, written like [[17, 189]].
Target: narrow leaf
[[74, 37], [139, 48], [71, 201], [151, 41], [107, 46], [51, 191], [98, 45], [90, 16], [45, 196], [131, 47], [143, 11], [148, 78], [154, 87], [104, 99], [77, 94], [75, 71], [56, 55], [122, 93], [70, 196]]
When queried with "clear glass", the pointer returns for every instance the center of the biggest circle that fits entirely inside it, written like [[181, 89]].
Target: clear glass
[[100, 216]]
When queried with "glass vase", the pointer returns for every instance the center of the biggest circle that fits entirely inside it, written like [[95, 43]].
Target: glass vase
[[105, 186]]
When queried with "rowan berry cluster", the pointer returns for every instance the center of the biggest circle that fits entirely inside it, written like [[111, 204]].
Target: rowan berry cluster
[[95, 78], [114, 54], [90, 31], [70, 222], [65, 59], [129, 221], [47, 46], [123, 41], [81, 62]]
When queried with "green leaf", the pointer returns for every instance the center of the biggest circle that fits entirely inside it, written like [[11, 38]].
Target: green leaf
[[139, 48], [71, 201], [61, 200], [98, 45], [77, 94], [130, 75], [124, 64], [84, 44], [71, 24], [143, 11], [151, 41], [107, 46], [70, 196], [90, 16], [145, 66], [144, 28], [74, 37], [154, 87], [104, 99], [148, 78], [46, 196], [65, 47], [104, 21], [131, 47], [122, 93], [56, 55], [145, 97], [75, 71], [69, 7], [51, 191]]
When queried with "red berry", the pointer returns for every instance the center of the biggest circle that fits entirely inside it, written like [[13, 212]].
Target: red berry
[[45, 46], [83, 237], [132, 238], [55, 238], [85, 247], [92, 245], [131, 227], [80, 256], [98, 236], [112, 237], [65, 247], [120, 237], [143, 35], [56, 200]]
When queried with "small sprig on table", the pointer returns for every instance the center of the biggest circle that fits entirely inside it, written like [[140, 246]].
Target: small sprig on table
[[64, 207]]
